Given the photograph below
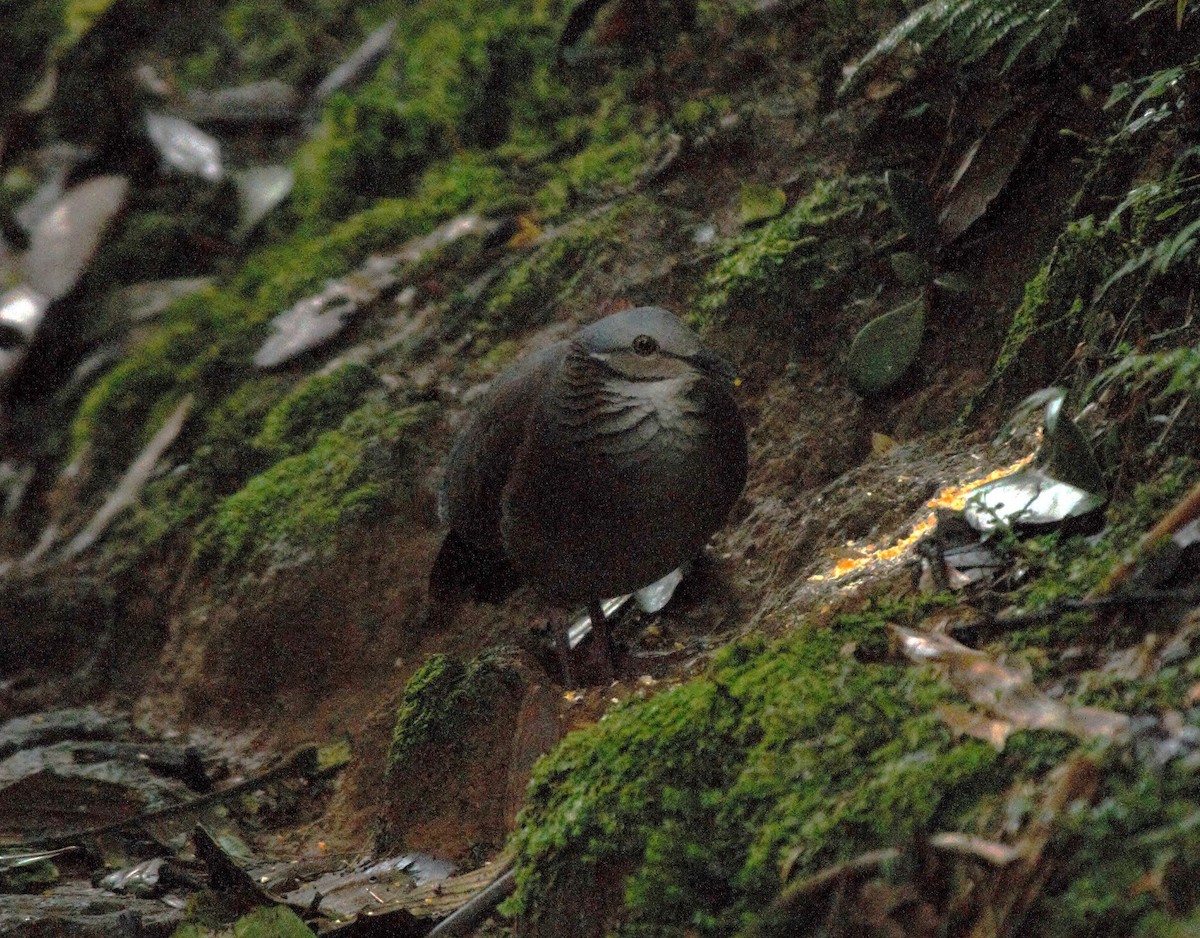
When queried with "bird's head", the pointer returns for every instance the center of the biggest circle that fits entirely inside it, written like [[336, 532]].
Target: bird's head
[[650, 344]]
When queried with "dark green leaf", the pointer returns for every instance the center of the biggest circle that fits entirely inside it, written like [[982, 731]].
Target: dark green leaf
[[1068, 456], [910, 269], [886, 348]]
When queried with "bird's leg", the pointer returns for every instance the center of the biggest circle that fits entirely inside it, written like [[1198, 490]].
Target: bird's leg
[[560, 633], [602, 639]]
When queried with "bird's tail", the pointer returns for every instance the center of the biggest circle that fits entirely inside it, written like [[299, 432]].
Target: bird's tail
[[463, 571]]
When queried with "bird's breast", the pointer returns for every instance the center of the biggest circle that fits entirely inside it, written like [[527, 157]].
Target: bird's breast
[[618, 486], [631, 418]]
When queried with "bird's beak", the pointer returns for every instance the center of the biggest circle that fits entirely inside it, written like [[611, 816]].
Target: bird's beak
[[715, 366]]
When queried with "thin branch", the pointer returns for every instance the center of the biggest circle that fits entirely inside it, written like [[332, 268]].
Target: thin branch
[[1183, 514], [1095, 602], [466, 919], [301, 762]]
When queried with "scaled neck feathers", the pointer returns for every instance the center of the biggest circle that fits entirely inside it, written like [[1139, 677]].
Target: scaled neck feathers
[[598, 407]]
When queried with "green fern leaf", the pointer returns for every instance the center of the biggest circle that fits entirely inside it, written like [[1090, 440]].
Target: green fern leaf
[[1028, 33]]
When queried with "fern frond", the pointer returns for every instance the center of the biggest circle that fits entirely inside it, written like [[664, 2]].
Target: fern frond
[[1029, 33]]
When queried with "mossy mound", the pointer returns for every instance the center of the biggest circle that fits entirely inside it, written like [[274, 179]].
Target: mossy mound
[[696, 797], [530, 293], [319, 404], [440, 699], [276, 921], [779, 276], [461, 70], [299, 506]]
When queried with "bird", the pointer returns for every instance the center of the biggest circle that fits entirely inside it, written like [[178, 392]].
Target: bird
[[592, 468]]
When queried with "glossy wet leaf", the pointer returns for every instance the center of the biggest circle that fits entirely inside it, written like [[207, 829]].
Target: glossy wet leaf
[[360, 63], [260, 190], [760, 202], [65, 238], [912, 206], [309, 324], [21, 312], [184, 147], [10, 859], [143, 879], [1028, 499], [886, 348], [655, 597], [650, 598]]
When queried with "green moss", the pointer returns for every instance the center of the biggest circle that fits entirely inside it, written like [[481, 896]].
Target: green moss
[[228, 452], [702, 791], [695, 117], [273, 921], [529, 293], [193, 348], [319, 404], [597, 169], [1142, 824], [299, 506], [441, 696], [1054, 315], [802, 752], [781, 272], [464, 63], [204, 343]]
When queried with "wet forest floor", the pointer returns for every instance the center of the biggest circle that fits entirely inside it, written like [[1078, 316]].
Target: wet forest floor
[[258, 261]]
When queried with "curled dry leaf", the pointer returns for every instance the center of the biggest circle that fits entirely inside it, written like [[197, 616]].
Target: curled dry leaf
[[1004, 691]]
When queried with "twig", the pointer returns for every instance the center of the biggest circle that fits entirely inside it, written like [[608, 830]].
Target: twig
[[1183, 514], [301, 762], [1094, 602], [1014, 892], [799, 894], [466, 919]]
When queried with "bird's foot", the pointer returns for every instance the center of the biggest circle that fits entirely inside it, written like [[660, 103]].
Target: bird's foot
[[593, 660]]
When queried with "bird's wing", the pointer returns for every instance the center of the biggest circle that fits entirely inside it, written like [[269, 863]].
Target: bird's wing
[[472, 562], [483, 453]]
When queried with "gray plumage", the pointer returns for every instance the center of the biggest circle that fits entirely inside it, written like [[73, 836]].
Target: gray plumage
[[595, 466]]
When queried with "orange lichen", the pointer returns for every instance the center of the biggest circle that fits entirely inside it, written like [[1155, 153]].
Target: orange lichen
[[953, 497]]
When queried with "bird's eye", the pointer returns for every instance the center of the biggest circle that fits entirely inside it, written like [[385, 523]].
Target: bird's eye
[[645, 345]]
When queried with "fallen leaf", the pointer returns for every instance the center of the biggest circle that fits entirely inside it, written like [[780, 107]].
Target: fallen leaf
[[1003, 691], [761, 201], [885, 348]]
